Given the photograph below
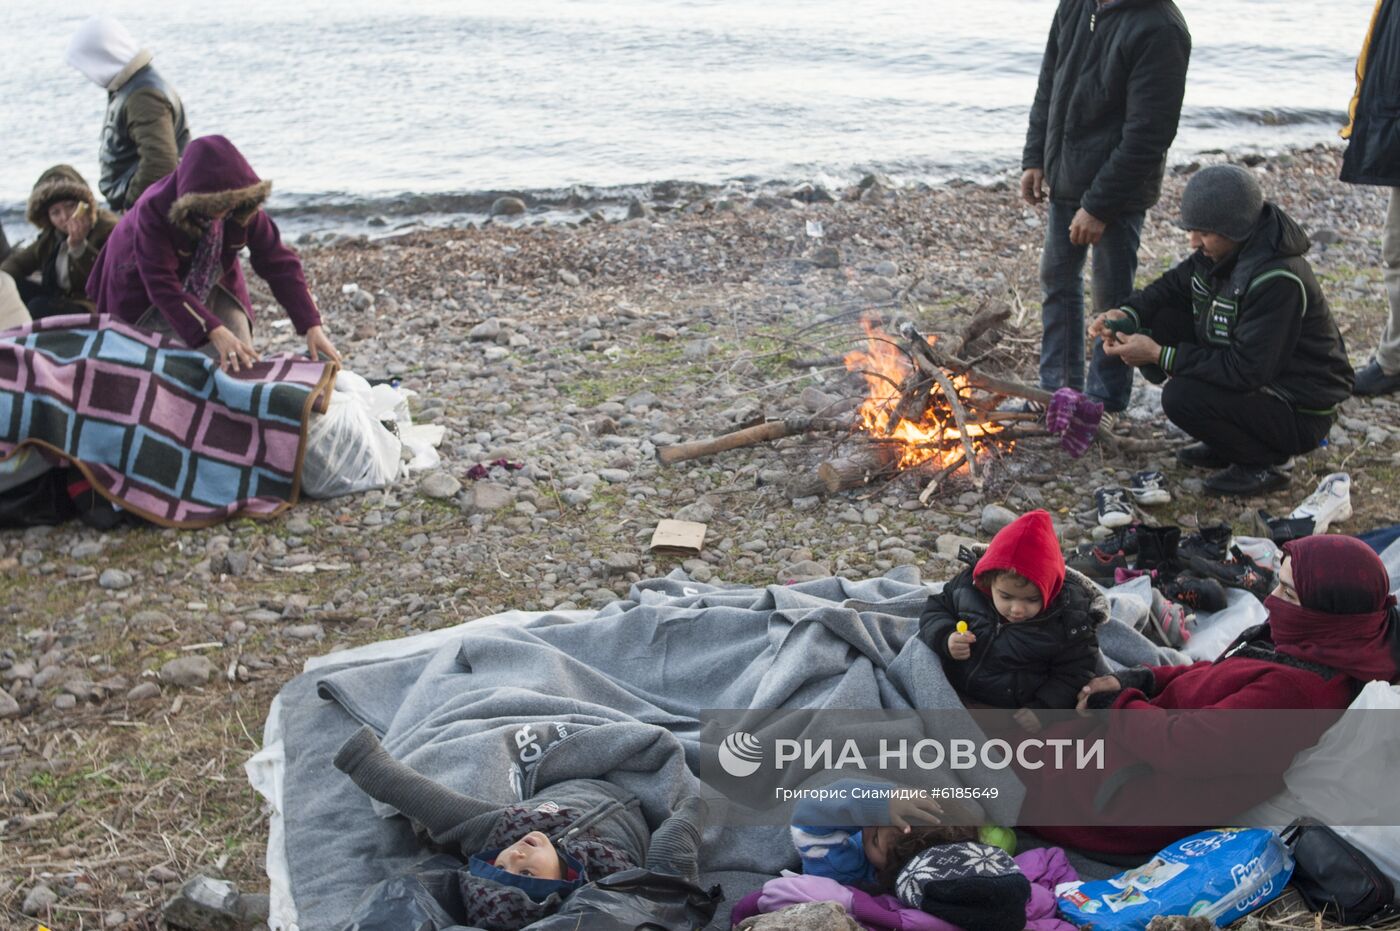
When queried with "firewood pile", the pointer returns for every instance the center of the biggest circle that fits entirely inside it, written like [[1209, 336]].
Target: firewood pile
[[926, 412]]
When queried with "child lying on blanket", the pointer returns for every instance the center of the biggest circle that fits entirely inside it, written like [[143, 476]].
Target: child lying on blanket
[[524, 859], [858, 836], [1016, 629]]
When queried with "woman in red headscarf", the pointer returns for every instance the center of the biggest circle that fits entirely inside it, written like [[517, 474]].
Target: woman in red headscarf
[[1332, 628]]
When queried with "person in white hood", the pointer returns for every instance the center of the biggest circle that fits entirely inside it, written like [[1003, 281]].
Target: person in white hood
[[144, 131]]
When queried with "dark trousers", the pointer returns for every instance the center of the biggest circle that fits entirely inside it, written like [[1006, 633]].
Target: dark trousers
[[1254, 429], [42, 302]]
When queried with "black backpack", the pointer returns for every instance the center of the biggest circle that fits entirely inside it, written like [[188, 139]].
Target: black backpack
[[1336, 878]]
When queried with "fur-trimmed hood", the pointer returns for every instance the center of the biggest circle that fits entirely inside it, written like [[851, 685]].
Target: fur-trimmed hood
[[61, 182], [214, 178]]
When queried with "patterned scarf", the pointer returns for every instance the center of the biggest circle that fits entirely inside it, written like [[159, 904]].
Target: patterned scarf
[[207, 266]]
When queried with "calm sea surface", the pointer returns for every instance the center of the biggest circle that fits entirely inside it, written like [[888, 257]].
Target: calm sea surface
[[356, 106]]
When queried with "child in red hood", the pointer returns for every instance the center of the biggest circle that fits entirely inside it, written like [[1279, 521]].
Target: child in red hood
[[1030, 640]]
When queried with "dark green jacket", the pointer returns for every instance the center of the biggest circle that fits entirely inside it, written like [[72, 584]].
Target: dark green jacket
[[1259, 320], [1107, 105], [60, 182]]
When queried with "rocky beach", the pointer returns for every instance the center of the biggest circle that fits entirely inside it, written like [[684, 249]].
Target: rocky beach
[[137, 666]]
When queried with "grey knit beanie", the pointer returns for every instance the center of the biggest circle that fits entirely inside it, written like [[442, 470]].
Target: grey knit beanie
[[1222, 199]]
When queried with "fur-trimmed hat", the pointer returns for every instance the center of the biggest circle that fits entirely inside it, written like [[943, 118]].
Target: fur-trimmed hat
[[213, 178], [61, 182]]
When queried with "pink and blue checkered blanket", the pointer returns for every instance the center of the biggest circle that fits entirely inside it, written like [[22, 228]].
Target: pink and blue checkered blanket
[[157, 428]]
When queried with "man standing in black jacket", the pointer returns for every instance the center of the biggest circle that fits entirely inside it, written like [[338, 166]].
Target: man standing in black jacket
[[1373, 157], [1254, 362], [1105, 113]]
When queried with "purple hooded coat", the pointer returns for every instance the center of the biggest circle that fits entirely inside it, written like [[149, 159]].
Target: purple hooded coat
[[145, 261]]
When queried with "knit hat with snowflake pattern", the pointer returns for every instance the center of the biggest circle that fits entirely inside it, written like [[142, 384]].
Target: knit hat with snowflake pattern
[[967, 884]]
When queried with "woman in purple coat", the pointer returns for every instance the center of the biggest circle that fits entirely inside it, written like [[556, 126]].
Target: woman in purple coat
[[171, 265]]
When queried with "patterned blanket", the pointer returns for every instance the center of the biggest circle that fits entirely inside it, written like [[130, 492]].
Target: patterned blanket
[[155, 427]]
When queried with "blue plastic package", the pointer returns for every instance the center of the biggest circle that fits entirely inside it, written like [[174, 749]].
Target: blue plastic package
[[1222, 874]]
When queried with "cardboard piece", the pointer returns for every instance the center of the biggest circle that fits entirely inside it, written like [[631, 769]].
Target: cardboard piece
[[678, 538]]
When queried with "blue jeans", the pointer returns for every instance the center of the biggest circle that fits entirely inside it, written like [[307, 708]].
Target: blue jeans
[[1062, 311]]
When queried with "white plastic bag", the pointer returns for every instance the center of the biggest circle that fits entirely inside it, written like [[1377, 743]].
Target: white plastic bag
[[347, 449]]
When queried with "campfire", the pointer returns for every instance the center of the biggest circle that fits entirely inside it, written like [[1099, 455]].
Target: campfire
[[901, 409], [925, 411]]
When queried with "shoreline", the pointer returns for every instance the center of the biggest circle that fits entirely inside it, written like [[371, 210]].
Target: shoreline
[[328, 218]]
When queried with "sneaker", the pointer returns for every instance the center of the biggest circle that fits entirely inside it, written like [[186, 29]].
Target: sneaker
[[1240, 481], [1243, 573], [1211, 542], [1149, 488], [1371, 379], [1200, 456], [1195, 593], [1172, 621], [1098, 564], [1282, 529], [1330, 503], [1114, 509]]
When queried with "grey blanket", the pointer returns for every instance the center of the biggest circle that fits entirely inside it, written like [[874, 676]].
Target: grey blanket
[[480, 715]]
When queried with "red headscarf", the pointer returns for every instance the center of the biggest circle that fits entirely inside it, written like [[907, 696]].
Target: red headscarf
[[1344, 617], [1029, 547]]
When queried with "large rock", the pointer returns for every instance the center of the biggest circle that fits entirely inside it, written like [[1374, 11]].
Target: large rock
[[948, 544], [9, 708], [489, 496], [187, 671], [803, 571], [114, 579], [487, 329], [995, 517], [38, 900], [507, 207], [440, 485]]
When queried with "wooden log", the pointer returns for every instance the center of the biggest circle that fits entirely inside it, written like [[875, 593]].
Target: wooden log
[[930, 357], [749, 436], [959, 417], [859, 468], [932, 487]]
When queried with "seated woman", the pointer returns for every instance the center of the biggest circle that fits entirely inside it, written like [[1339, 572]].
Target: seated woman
[[1329, 632], [172, 265], [72, 230]]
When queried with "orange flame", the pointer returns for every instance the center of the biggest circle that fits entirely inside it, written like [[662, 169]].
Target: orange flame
[[934, 437]]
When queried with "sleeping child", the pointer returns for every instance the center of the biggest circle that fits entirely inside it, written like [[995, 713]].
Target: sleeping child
[[525, 859]]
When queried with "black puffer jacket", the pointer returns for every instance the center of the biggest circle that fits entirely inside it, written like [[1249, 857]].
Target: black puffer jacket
[[1260, 320], [1040, 663], [1108, 102], [1373, 156]]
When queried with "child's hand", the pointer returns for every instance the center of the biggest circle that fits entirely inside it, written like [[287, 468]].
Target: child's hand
[[1028, 721], [960, 645], [907, 812]]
